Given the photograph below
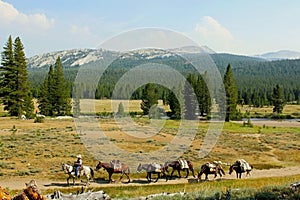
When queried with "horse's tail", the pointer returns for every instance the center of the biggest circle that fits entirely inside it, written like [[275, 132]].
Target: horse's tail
[[92, 173]]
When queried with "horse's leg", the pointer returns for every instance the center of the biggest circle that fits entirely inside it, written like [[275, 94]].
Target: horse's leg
[[158, 176], [68, 181], [172, 173], [127, 175], [206, 176], [187, 172], [178, 170], [109, 177]]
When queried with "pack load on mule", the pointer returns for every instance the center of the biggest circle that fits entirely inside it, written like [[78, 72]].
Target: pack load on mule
[[114, 166], [214, 168], [244, 165], [176, 166], [183, 164], [241, 166], [152, 168]]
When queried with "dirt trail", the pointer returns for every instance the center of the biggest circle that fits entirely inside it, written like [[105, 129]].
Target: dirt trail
[[19, 183]]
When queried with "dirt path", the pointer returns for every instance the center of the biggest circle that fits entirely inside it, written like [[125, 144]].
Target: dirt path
[[19, 183]]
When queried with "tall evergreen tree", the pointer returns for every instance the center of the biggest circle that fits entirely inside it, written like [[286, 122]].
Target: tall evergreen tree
[[190, 101], [278, 99], [203, 96], [149, 98], [15, 89], [8, 77], [46, 99], [61, 95], [174, 105], [23, 89], [231, 94]]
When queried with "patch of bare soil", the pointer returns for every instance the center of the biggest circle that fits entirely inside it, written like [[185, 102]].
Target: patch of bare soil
[[16, 183]]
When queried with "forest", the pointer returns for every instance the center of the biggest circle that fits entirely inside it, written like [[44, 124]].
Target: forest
[[255, 78]]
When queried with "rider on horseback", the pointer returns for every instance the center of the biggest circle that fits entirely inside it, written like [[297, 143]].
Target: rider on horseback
[[77, 165]]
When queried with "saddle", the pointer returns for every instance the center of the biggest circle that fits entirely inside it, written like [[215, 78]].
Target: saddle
[[244, 165], [154, 167], [116, 164], [183, 164]]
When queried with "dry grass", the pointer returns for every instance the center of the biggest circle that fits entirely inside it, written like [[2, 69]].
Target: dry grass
[[39, 148]]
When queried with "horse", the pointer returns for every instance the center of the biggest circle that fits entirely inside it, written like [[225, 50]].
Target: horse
[[211, 168], [239, 168], [31, 192], [152, 168], [86, 171], [123, 169], [176, 165]]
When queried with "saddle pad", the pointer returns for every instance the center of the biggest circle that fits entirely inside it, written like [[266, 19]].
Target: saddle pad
[[183, 164]]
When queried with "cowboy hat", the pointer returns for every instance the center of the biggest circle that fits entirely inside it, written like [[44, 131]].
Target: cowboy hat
[[78, 156]]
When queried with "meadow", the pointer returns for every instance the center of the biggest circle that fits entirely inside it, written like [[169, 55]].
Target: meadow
[[36, 150]]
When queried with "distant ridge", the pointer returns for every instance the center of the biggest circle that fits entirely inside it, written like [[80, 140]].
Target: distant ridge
[[281, 55]]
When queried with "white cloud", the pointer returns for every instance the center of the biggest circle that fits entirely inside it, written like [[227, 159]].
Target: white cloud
[[10, 16], [211, 28], [211, 33]]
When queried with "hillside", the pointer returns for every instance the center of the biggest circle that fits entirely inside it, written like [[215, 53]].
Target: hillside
[[254, 76]]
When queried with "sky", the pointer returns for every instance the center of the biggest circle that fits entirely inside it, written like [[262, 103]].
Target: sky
[[232, 26]]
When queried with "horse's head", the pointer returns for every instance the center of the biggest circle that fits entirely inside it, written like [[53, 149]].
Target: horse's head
[[231, 168], [66, 168], [99, 165]]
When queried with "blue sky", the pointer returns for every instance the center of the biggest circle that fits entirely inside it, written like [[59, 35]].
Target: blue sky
[[240, 27]]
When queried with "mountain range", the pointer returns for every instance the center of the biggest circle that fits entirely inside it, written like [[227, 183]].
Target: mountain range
[[78, 57]]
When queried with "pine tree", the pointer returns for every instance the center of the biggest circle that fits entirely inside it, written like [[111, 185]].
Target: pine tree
[[149, 98], [174, 105], [190, 101], [231, 94], [61, 95], [8, 77], [15, 89], [46, 99], [23, 89], [278, 99]]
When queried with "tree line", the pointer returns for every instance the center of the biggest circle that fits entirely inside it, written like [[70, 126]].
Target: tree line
[[189, 100], [15, 92]]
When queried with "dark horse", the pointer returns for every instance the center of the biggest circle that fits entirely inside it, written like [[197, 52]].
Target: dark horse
[[122, 169], [239, 169], [177, 166], [152, 168], [211, 168]]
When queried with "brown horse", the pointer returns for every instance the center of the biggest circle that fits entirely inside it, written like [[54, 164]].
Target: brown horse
[[123, 169], [31, 192], [239, 169], [176, 166], [210, 168]]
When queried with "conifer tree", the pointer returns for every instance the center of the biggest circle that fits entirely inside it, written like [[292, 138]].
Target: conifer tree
[[15, 89], [231, 94], [8, 77], [46, 99], [23, 89], [149, 98], [278, 99], [62, 104], [190, 101]]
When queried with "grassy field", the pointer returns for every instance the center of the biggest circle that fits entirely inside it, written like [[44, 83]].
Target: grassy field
[[29, 149]]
